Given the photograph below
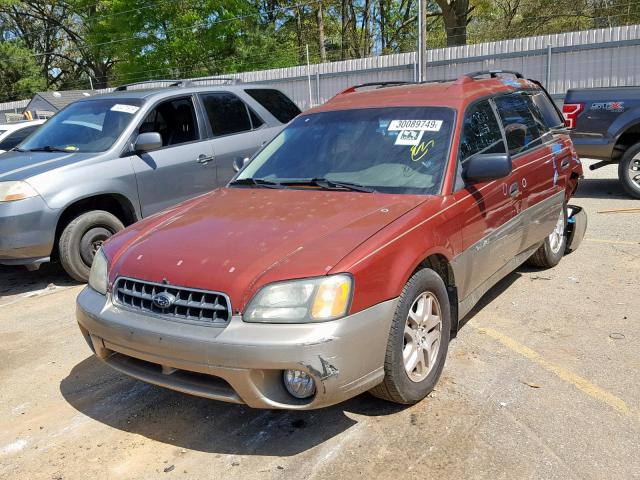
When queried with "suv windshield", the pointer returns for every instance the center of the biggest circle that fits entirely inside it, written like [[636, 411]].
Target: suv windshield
[[86, 126], [391, 150]]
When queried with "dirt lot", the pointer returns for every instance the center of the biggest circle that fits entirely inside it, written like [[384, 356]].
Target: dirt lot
[[543, 382]]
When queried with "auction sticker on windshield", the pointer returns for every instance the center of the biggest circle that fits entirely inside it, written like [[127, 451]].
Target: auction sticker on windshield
[[409, 137], [119, 107], [424, 125]]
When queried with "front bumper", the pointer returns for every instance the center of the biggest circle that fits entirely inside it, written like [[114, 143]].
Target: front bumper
[[242, 362], [27, 231]]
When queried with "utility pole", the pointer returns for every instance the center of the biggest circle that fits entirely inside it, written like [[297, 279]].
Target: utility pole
[[422, 40], [309, 78]]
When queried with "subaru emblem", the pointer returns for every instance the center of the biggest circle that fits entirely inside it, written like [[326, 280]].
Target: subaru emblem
[[163, 300]]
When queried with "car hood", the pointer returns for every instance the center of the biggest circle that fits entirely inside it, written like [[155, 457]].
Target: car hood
[[236, 240], [23, 165]]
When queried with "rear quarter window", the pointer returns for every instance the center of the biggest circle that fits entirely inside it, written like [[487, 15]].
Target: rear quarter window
[[275, 102]]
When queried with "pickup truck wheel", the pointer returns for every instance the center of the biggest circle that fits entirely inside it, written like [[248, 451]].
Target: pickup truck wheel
[[629, 170], [552, 250], [418, 340], [81, 239]]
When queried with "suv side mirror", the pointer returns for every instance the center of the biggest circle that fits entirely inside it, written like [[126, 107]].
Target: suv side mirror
[[238, 164], [148, 142], [487, 166]]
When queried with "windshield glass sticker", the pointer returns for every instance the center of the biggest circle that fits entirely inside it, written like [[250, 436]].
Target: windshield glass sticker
[[418, 152], [409, 137], [119, 107], [425, 125]]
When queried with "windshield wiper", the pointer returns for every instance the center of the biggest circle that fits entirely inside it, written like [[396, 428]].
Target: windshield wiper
[[327, 184], [260, 182], [47, 148]]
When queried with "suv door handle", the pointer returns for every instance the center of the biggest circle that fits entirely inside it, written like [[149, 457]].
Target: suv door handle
[[564, 164], [513, 189], [204, 159]]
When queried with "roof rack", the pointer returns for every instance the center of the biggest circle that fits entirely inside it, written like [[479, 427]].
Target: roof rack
[[492, 73], [392, 83], [187, 82], [171, 83]]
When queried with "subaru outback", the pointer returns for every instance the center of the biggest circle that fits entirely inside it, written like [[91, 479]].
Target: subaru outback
[[345, 255]]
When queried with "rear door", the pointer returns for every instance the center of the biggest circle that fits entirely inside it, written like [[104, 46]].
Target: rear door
[[236, 129], [182, 168], [490, 228], [536, 165]]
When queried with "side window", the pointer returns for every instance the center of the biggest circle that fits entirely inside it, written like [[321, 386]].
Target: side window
[[275, 102], [175, 121], [480, 132], [13, 139], [522, 121], [550, 115], [256, 121], [227, 113]]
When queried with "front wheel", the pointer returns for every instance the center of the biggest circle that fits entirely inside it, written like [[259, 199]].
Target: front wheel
[[418, 340], [81, 239], [552, 250], [629, 171]]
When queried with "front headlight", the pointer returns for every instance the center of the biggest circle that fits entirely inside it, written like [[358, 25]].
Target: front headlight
[[98, 277], [12, 191], [301, 301]]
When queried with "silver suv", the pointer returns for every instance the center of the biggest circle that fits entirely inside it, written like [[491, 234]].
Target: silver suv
[[103, 163]]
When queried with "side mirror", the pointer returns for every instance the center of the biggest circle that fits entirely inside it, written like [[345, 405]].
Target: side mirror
[[485, 167], [238, 164], [148, 142]]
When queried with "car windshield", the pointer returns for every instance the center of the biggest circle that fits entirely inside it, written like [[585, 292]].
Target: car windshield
[[390, 150], [86, 126]]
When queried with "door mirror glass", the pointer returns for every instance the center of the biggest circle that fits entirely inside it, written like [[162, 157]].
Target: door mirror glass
[[148, 142], [238, 164], [485, 167]]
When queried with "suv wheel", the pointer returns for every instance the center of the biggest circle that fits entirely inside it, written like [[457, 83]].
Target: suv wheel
[[81, 239], [552, 250], [629, 171], [418, 340]]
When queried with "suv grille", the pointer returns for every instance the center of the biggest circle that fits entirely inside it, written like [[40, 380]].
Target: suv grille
[[188, 304]]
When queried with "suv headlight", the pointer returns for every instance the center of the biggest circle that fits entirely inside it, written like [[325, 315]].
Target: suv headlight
[[98, 277], [301, 301], [12, 191]]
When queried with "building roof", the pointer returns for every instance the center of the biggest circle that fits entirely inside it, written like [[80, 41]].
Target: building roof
[[61, 99]]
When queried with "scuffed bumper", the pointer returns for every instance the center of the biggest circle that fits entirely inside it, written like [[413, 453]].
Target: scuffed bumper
[[576, 227], [242, 362]]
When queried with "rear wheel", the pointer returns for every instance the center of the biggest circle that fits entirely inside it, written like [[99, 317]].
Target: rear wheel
[[629, 170], [552, 250], [418, 340], [81, 239]]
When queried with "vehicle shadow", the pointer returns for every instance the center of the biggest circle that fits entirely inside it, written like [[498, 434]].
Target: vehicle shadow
[[114, 399], [600, 188], [496, 291], [18, 280]]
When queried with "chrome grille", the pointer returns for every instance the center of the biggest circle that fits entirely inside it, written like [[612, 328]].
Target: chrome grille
[[190, 304]]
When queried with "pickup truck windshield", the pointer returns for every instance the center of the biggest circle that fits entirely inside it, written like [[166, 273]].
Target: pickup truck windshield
[[390, 150], [86, 126]]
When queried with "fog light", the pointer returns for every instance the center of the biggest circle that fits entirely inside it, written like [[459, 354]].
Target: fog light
[[299, 384]]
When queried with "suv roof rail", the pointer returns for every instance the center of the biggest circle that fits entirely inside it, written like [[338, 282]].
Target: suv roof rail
[[492, 73], [171, 83], [226, 80], [391, 83]]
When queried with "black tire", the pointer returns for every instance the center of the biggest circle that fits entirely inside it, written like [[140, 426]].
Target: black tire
[[397, 387], [546, 256], [79, 239], [627, 162]]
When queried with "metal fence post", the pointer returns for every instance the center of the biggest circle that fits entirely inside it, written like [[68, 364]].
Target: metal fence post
[[318, 101], [548, 82]]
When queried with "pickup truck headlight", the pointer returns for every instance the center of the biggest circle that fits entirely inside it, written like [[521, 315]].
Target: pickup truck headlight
[[301, 301], [12, 191], [98, 277]]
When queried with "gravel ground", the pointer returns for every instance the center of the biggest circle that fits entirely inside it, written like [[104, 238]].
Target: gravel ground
[[543, 382]]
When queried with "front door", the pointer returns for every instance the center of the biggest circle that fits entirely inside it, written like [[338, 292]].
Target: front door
[[183, 167]]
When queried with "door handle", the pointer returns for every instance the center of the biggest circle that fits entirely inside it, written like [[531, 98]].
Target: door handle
[[513, 189], [204, 159], [564, 164]]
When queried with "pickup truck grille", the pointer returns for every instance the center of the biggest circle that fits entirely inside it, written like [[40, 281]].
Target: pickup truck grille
[[188, 304]]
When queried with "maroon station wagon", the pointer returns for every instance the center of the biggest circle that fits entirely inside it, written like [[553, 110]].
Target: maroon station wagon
[[345, 255]]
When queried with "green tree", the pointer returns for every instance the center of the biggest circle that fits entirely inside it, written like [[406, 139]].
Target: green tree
[[20, 76]]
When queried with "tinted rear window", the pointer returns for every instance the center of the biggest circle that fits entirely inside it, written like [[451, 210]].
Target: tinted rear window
[[276, 103]]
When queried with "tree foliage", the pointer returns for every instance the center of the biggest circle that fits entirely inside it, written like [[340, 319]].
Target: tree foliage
[[19, 74], [83, 43]]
